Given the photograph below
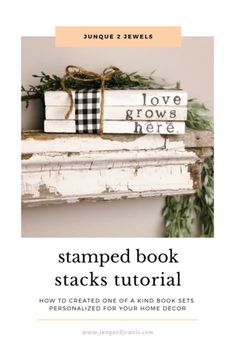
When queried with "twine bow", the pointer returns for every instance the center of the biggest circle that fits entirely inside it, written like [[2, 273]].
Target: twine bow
[[80, 74]]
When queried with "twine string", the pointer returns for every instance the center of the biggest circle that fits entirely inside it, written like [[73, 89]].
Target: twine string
[[80, 74]]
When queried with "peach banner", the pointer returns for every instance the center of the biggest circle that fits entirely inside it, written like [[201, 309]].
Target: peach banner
[[118, 36]]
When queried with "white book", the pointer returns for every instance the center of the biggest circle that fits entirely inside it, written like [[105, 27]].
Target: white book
[[125, 98], [59, 126], [143, 127]]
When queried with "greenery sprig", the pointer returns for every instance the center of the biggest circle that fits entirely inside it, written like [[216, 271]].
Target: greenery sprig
[[46, 83], [119, 80], [197, 117], [180, 212]]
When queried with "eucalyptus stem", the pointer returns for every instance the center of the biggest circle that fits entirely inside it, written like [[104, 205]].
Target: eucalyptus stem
[[120, 80], [182, 211]]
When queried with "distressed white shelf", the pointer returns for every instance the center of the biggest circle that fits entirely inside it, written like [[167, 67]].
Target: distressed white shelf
[[59, 168]]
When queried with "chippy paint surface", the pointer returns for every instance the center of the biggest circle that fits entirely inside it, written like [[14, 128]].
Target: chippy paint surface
[[70, 169]]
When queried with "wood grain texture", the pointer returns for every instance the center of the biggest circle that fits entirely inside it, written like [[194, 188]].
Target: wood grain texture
[[58, 177], [68, 168], [195, 138]]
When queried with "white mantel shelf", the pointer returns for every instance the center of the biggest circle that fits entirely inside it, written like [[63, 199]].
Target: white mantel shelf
[[67, 168]]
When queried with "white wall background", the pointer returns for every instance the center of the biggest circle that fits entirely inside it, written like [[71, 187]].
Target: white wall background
[[192, 64]]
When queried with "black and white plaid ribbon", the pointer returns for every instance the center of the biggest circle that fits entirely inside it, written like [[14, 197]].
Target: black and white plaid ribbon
[[87, 111]]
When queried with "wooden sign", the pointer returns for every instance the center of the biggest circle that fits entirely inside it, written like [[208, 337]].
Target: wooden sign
[[124, 112]]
